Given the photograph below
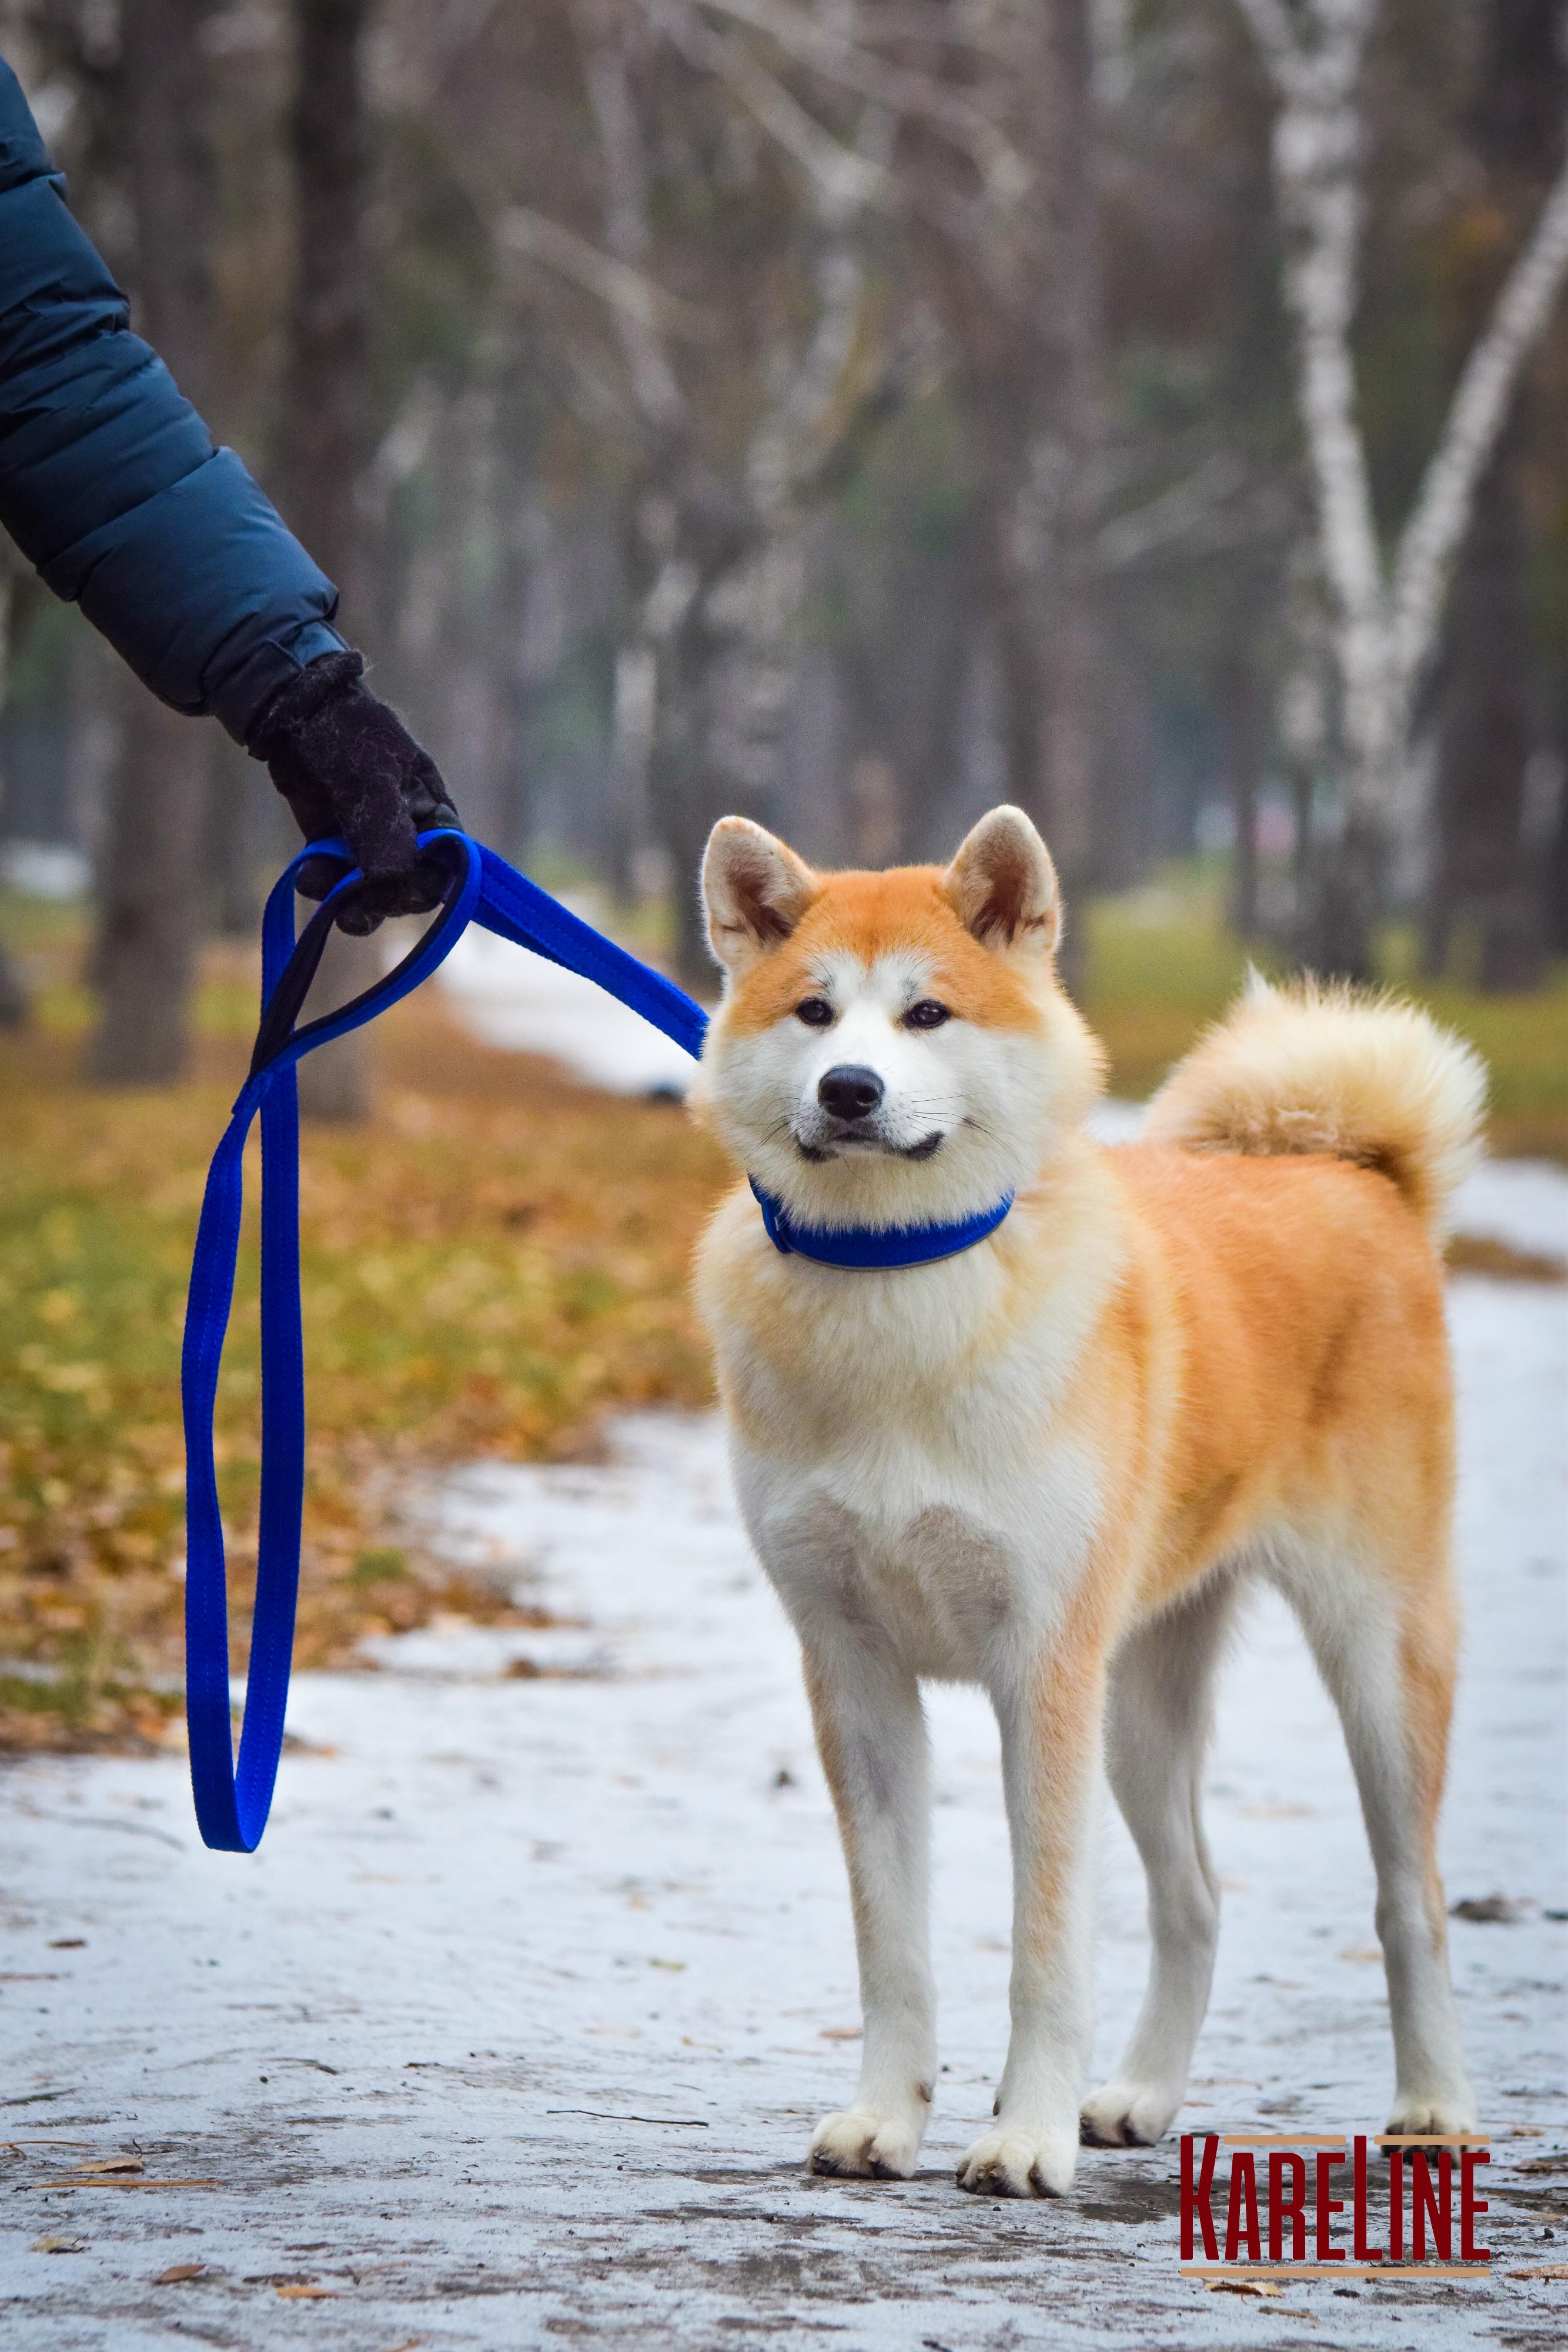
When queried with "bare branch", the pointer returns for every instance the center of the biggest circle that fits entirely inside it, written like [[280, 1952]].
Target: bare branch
[[1174, 516], [1273, 31], [1430, 540], [532, 236], [843, 178], [928, 22], [599, 29], [793, 442], [625, 290], [1317, 144], [839, 58]]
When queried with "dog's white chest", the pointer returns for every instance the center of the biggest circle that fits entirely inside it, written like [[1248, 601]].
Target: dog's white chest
[[953, 1573]]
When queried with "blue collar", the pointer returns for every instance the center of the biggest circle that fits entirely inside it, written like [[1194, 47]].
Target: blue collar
[[869, 1247]]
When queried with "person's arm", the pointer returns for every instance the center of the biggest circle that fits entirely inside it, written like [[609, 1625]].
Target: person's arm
[[112, 488]]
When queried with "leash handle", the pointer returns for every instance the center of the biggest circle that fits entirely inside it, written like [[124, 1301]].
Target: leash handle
[[232, 1801]]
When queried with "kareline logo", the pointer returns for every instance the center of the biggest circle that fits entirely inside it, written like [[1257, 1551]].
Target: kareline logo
[[1264, 2214]]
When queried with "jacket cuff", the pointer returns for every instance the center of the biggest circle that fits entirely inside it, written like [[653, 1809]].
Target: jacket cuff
[[272, 665]]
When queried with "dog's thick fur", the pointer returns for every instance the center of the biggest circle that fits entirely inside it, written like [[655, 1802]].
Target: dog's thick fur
[[1048, 1464]]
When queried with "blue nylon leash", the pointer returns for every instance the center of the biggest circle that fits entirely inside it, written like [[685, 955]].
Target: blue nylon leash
[[233, 1800]]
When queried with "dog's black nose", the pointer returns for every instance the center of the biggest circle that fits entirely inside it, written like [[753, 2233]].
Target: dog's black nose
[[850, 1090]]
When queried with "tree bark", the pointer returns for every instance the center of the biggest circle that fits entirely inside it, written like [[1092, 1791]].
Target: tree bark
[[150, 873], [1065, 456], [1031, 340], [327, 440], [14, 1004], [1554, 880], [1242, 723], [15, 1007], [517, 459], [1485, 741], [1483, 872]]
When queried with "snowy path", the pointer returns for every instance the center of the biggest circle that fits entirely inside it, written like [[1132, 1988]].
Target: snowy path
[[516, 2029]]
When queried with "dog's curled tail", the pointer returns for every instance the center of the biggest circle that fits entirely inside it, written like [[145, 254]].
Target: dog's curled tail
[[1324, 1068]]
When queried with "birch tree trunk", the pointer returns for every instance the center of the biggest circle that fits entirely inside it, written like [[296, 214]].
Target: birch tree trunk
[[150, 866], [326, 441], [1387, 616]]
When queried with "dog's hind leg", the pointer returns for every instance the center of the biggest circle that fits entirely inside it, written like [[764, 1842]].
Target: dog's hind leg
[[871, 1733], [1386, 1646], [1160, 1708]]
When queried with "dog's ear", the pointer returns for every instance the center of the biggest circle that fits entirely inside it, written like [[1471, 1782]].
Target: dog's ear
[[754, 891], [1002, 885]]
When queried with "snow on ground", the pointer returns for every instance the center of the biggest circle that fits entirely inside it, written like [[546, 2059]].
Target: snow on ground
[[527, 1005], [1523, 1202], [515, 2030]]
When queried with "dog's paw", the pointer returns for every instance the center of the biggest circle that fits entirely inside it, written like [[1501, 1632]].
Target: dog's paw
[[856, 2145], [1127, 2114], [1012, 2160], [1435, 2114]]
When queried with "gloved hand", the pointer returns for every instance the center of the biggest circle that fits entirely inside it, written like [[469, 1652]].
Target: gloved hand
[[346, 764]]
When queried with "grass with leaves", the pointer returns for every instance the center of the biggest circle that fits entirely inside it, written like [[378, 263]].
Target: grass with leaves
[[489, 1264], [1161, 964]]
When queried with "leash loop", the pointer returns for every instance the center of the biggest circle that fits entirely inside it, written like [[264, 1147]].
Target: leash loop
[[233, 1798]]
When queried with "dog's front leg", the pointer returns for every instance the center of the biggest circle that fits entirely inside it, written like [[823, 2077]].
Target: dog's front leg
[[871, 1733], [1050, 1721]]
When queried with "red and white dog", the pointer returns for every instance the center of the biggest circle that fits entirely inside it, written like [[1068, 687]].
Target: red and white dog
[[1048, 1464]]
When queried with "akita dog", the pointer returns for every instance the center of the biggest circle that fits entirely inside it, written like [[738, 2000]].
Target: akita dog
[[1048, 1463]]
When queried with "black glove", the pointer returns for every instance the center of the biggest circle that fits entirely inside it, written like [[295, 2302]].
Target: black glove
[[346, 764]]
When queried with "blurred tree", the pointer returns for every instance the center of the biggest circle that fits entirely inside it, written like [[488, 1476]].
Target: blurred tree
[[746, 413], [14, 1000], [1489, 719], [1031, 378], [1241, 710], [326, 428], [1485, 737], [149, 867], [1387, 617]]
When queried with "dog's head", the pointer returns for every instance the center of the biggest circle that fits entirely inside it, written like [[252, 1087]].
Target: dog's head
[[891, 1048]]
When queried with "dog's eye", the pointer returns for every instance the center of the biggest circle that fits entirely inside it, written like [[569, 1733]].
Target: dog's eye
[[926, 1015], [815, 1012]]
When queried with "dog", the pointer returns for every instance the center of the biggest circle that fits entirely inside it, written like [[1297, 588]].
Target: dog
[[1049, 1462]]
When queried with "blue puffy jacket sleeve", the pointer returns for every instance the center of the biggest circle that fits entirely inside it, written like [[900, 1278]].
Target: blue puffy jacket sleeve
[[110, 484]]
